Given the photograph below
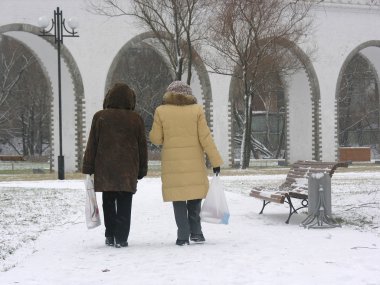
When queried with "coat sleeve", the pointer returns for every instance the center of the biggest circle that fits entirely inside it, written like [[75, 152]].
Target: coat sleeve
[[206, 140], [88, 166], [143, 151], [156, 135]]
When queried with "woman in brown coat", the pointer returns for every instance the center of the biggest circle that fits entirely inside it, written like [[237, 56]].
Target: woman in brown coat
[[181, 127], [116, 154]]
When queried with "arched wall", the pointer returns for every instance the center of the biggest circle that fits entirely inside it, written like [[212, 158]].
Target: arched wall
[[101, 39], [49, 91], [333, 43], [201, 84], [72, 92], [302, 109], [370, 50]]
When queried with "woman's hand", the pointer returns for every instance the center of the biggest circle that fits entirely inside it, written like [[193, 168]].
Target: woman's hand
[[216, 170]]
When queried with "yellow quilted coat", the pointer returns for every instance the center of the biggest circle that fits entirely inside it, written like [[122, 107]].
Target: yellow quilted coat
[[181, 128]]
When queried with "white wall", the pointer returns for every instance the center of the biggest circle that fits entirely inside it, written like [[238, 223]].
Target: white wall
[[338, 29], [220, 85], [300, 135]]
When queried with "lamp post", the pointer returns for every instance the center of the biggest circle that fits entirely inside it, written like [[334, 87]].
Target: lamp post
[[58, 29]]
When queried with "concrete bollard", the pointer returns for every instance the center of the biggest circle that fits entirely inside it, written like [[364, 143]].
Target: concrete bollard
[[315, 182], [319, 202]]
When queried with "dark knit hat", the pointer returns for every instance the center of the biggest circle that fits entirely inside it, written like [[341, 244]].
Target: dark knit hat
[[179, 87]]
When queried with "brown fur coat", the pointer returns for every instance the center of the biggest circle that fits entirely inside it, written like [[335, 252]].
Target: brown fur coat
[[116, 151]]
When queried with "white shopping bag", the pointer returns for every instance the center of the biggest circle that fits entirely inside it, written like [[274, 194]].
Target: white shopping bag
[[215, 209], [91, 207]]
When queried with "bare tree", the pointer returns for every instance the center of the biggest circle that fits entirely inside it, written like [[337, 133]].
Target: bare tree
[[247, 35], [28, 127], [359, 116], [11, 71], [24, 103], [172, 22], [268, 104], [149, 84], [33, 115]]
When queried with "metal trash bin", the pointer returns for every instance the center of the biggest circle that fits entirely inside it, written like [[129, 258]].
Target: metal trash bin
[[319, 206]]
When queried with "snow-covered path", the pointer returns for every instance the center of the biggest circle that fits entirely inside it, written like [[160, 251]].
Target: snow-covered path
[[252, 249]]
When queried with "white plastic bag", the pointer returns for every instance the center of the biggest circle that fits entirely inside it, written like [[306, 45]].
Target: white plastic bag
[[91, 206], [215, 209]]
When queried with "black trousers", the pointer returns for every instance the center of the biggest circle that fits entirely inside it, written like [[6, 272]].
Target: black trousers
[[117, 207], [187, 218]]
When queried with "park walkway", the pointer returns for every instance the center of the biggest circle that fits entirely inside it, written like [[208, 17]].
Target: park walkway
[[252, 249]]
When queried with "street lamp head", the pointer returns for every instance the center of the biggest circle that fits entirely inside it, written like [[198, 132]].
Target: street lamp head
[[73, 23], [43, 22]]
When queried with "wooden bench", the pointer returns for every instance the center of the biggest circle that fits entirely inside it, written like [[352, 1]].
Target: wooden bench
[[296, 184], [12, 158]]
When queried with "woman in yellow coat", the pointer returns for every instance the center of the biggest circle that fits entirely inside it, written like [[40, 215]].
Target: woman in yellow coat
[[181, 128]]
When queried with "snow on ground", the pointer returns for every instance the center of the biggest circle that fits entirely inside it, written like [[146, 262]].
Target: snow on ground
[[44, 240]]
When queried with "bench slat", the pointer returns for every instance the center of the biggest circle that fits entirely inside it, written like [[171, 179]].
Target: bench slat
[[276, 197], [12, 158]]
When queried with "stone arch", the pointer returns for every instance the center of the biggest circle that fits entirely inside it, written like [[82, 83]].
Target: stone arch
[[374, 43], [77, 84], [49, 91], [311, 77], [198, 65], [370, 52]]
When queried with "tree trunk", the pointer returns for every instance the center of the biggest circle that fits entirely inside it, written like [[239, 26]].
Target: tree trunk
[[179, 57], [246, 141], [267, 124], [32, 133], [40, 136], [282, 137], [24, 136], [178, 73], [190, 54]]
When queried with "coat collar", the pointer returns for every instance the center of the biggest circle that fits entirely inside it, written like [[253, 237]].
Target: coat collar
[[171, 98]]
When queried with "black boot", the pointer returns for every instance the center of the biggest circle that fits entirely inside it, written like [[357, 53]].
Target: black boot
[[110, 241], [121, 244], [181, 242], [199, 238]]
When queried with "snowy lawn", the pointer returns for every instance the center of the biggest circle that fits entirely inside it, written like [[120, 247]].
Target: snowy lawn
[[44, 240]]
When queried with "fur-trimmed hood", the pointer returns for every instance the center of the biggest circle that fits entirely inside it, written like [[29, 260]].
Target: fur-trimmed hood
[[173, 98], [120, 96]]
